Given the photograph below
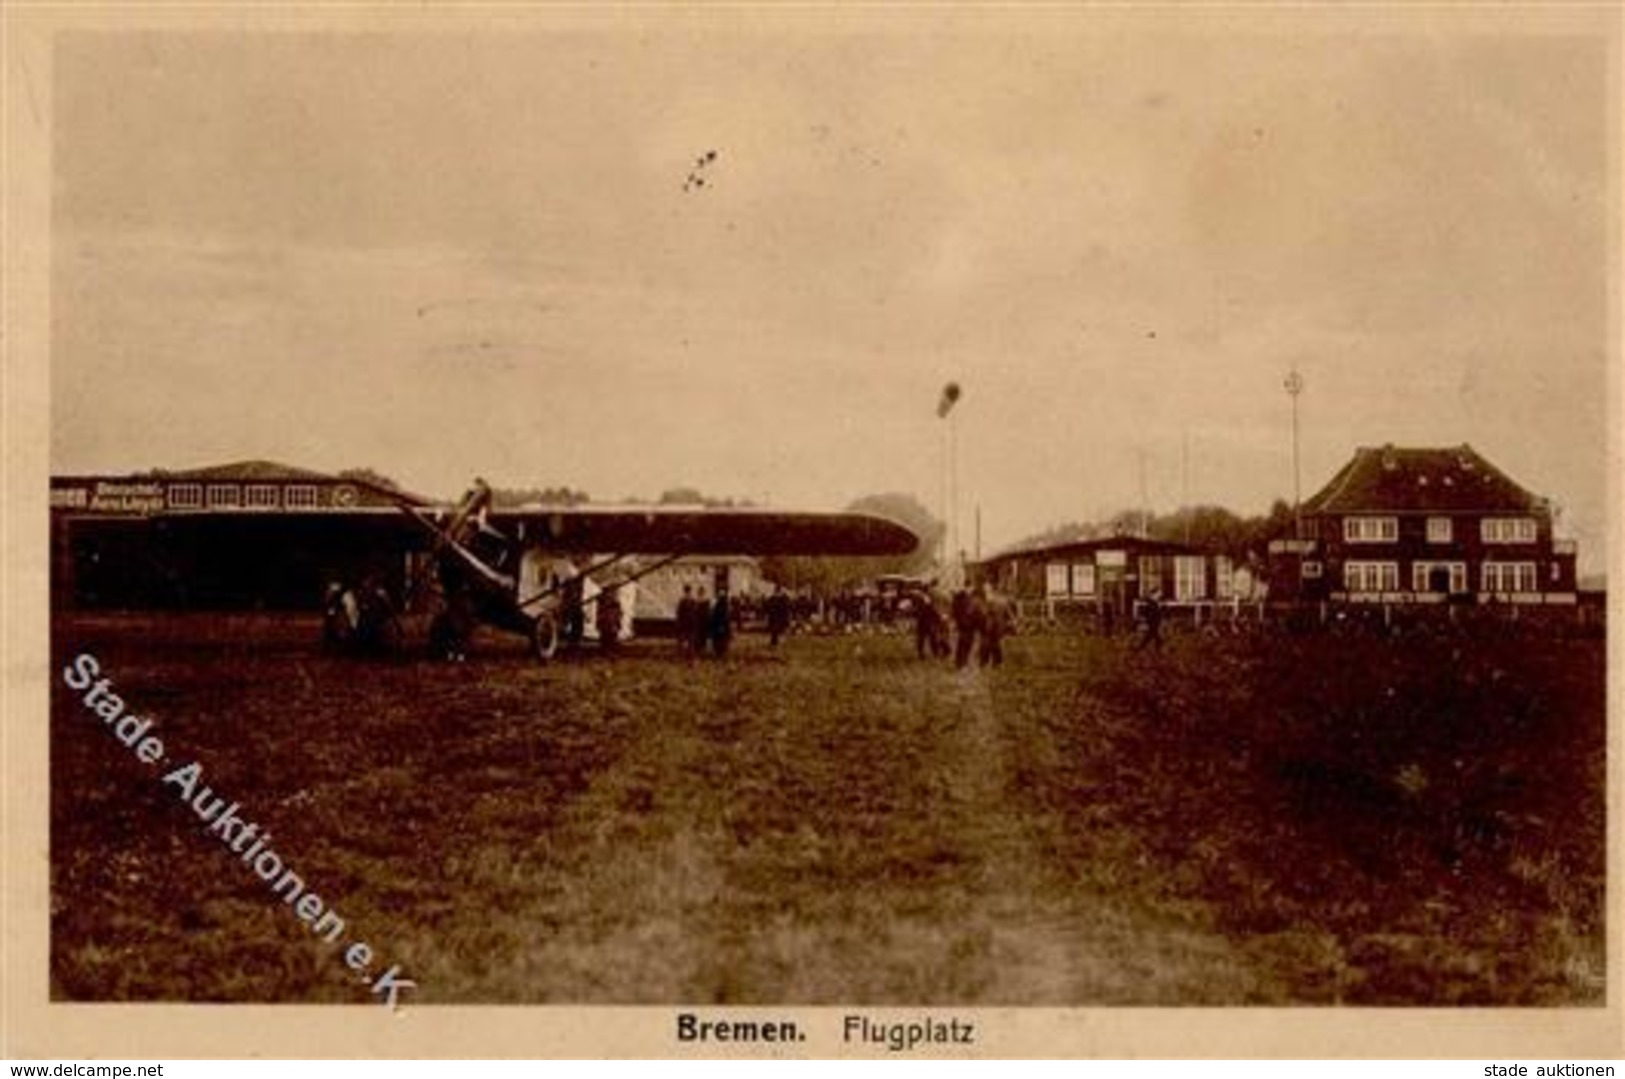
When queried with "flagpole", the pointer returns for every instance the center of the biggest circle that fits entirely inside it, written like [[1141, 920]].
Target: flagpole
[[950, 481]]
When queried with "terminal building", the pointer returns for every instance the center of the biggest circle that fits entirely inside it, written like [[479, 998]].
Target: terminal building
[[1424, 525]]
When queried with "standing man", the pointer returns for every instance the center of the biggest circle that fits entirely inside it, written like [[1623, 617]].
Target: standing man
[[929, 630], [722, 624], [608, 611], [685, 620], [1151, 622], [998, 622], [778, 616], [938, 599], [699, 628], [969, 614], [575, 607]]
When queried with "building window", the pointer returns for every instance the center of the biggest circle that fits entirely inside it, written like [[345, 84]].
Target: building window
[[1083, 579], [1055, 579], [224, 496], [260, 496], [1514, 577], [1507, 529], [1439, 530], [1371, 576], [1150, 575], [1189, 580], [185, 496], [1426, 575], [1370, 529], [1224, 578], [299, 496]]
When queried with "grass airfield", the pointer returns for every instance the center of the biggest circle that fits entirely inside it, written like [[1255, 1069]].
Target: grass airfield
[[1272, 819]]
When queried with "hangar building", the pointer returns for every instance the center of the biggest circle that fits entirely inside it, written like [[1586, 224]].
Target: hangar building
[[110, 548]]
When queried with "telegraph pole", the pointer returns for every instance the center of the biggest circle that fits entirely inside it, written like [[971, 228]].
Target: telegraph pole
[[1145, 499], [1294, 387], [1185, 480], [954, 550]]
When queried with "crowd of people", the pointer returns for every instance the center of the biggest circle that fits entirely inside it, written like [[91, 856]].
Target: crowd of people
[[980, 619], [704, 625], [967, 626]]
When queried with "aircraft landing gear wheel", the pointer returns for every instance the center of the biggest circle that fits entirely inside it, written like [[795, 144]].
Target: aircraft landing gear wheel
[[447, 641], [544, 638]]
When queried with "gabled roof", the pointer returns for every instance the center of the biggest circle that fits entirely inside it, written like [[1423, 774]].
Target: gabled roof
[[1391, 479]]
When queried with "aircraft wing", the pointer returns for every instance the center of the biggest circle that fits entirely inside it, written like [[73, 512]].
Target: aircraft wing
[[677, 530], [704, 530]]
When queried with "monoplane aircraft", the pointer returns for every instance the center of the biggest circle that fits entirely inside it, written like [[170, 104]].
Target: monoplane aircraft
[[520, 568]]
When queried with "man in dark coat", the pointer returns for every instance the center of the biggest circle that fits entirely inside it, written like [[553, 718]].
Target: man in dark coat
[[968, 614], [929, 631], [699, 629], [608, 611], [998, 622], [1150, 622], [722, 624], [778, 616], [575, 608], [685, 620]]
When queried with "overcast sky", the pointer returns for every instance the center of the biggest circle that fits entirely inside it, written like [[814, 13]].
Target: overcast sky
[[441, 255]]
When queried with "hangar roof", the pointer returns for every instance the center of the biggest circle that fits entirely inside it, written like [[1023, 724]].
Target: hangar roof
[[251, 472]]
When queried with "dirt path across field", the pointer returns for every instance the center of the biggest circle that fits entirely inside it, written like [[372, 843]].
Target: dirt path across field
[[750, 856], [1051, 938]]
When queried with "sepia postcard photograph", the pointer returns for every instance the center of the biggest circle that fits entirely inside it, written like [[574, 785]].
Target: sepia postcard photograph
[[814, 531]]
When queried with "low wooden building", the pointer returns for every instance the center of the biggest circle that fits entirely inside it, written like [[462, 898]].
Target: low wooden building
[[1112, 574]]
